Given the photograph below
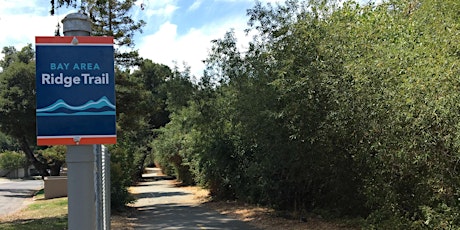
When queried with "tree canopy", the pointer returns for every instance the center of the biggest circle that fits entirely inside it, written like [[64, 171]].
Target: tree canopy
[[11, 160], [17, 100], [342, 107], [111, 18]]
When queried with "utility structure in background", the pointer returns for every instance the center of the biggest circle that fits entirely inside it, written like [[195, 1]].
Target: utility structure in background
[[76, 108]]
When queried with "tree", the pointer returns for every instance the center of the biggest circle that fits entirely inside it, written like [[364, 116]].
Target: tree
[[6, 143], [111, 18], [176, 91], [351, 109], [157, 91], [11, 160], [17, 101], [141, 100], [54, 157]]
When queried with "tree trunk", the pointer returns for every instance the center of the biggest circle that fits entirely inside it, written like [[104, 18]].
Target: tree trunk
[[26, 170], [55, 169], [41, 167], [140, 165]]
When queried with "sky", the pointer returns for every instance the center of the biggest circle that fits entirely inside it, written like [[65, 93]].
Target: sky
[[177, 31]]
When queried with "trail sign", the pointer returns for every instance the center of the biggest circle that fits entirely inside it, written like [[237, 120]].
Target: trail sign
[[75, 86]]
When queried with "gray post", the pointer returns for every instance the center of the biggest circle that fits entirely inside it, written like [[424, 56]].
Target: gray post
[[80, 158], [80, 186]]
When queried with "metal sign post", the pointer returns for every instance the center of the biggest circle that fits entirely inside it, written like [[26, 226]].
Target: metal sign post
[[81, 187], [76, 107]]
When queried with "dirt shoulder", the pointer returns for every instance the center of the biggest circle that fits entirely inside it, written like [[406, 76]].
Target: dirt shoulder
[[265, 218]]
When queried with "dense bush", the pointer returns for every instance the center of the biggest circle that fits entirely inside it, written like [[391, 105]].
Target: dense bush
[[121, 175], [54, 157], [348, 108], [6, 143], [10, 160]]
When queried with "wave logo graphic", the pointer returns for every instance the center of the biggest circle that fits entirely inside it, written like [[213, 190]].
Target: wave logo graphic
[[103, 106]]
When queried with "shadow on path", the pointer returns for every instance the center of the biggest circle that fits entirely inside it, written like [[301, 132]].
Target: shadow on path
[[158, 194], [177, 216], [20, 193], [162, 205]]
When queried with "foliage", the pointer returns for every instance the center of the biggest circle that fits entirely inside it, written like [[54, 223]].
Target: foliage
[[139, 109], [10, 160], [17, 98], [17, 101], [346, 108], [119, 194], [6, 143], [141, 97], [54, 157], [111, 18], [168, 150]]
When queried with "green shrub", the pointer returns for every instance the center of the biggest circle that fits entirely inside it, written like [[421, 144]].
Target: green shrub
[[119, 194], [54, 157], [122, 175], [10, 160]]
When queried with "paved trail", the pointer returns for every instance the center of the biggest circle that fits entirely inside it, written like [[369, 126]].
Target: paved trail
[[162, 205], [14, 193]]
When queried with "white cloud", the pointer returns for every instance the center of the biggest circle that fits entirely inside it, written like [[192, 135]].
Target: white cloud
[[22, 20], [11, 7], [165, 11], [196, 4], [161, 8], [167, 47], [22, 29]]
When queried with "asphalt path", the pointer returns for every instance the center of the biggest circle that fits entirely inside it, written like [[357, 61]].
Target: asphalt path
[[15, 193], [162, 205]]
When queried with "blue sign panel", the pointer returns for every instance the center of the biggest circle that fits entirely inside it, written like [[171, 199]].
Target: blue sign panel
[[75, 85]]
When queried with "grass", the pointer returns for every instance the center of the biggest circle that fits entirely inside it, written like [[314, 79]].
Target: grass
[[54, 223], [51, 213]]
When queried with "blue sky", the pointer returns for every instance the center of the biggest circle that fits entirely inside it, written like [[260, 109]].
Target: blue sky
[[181, 30], [177, 31]]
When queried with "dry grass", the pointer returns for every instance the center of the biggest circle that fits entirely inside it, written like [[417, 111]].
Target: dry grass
[[269, 219], [266, 218], [123, 221]]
